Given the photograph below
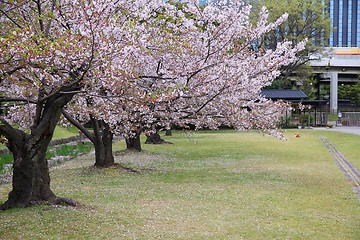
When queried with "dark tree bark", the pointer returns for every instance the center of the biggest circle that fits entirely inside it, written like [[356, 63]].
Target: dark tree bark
[[31, 179], [154, 138], [168, 132], [101, 139], [133, 143], [103, 144]]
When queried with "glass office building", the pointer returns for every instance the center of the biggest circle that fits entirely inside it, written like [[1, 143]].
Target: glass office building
[[345, 21]]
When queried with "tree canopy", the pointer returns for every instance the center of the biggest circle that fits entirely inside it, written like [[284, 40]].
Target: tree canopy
[[125, 65], [307, 19]]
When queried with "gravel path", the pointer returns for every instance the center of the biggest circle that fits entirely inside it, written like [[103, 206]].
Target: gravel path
[[352, 174], [345, 129]]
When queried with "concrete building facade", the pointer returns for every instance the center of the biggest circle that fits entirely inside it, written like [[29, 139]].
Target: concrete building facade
[[344, 65]]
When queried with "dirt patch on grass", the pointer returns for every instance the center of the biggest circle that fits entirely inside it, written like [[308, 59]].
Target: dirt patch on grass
[[138, 160]]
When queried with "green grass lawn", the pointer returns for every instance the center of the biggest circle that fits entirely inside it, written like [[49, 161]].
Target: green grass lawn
[[61, 132], [212, 185]]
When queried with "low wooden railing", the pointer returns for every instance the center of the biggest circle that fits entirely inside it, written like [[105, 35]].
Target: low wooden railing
[[349, 122]]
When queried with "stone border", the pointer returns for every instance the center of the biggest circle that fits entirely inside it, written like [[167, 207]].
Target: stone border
[[351, 173]]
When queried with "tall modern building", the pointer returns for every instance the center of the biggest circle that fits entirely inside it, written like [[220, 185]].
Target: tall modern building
[[345, 21], [344, 66]]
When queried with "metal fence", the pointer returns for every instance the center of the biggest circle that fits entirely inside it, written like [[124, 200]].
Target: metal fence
[[350, 119]]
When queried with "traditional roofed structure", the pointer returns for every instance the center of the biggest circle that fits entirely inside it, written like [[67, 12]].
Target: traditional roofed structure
[[284, 94], [295, 97]]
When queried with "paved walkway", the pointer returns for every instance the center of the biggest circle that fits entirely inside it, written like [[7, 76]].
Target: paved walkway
[[353, 130]]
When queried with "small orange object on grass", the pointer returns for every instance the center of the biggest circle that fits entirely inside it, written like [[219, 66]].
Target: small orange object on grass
[[297, 135]]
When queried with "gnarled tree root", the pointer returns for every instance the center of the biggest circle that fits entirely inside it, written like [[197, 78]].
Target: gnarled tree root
[[56, 201], [63, 202]]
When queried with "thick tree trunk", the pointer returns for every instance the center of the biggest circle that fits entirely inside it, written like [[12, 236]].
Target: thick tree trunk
[[31, 179], [154, 138], [168, 132], [103, 144], [103, 152], [101, 139], [133, 143]]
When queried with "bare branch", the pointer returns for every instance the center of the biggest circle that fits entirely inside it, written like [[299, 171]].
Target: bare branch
[[14, 99], [77, 124]]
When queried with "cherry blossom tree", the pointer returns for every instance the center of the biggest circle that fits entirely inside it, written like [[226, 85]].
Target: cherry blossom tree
[[108, 115], [126, 108], [217, 75], [51, 51], [129, 66], [199, 70]]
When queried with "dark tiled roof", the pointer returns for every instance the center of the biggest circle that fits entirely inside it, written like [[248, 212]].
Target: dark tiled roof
[[286, 94]]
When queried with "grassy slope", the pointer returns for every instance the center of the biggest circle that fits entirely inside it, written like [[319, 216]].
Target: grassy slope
[[60, 132], [208, 186]]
